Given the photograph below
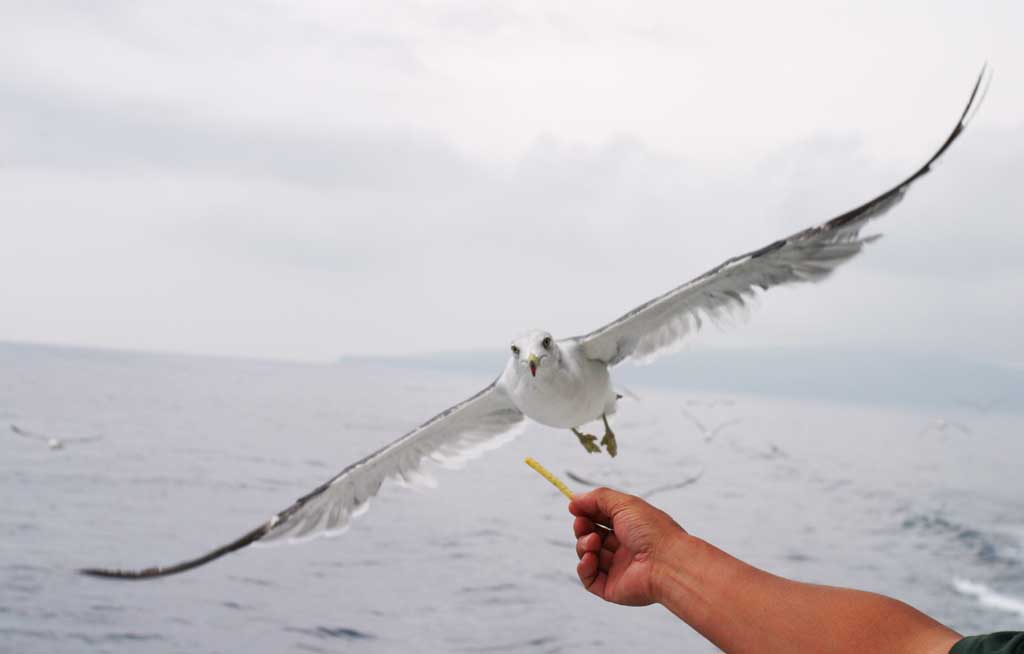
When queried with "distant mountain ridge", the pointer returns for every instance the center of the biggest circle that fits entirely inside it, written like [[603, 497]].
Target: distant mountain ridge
[[864, 376], [839, 375]]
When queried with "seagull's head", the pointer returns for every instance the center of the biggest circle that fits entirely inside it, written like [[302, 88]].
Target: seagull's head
[[535, 351]]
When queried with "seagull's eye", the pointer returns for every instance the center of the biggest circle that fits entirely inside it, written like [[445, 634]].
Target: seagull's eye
[[515, 350], [546, 343]]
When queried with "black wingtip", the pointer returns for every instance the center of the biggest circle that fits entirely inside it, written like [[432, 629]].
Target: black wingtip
[[970, 110], [981, 85], [165, 571], [104, 573], [979, 93]]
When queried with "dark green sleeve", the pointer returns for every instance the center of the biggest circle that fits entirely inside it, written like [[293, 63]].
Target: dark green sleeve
[[1001, 642]]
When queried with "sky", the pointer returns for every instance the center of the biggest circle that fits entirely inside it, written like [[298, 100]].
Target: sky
[[304, 180]]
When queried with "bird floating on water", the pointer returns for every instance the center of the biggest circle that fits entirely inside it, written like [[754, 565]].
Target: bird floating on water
[[565, 383]]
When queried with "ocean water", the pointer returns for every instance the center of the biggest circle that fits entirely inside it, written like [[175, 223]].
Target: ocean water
[[920, 504]]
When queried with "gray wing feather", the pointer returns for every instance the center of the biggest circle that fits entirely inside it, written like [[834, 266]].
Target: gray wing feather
[[457, 433], [807, 256]]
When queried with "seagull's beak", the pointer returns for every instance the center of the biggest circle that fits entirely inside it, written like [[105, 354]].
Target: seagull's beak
[[534, 362]]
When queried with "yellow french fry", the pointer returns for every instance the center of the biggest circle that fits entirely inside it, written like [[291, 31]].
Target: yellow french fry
[[530, 461], [546, 474]]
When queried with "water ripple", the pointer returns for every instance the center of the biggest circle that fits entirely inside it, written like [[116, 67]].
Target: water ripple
[[532, 643], [322, 632], [989, 548], [114, 637]]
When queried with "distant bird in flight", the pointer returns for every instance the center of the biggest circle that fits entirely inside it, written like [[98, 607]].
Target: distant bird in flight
[[711, 404], [692, 479], [943, 425], [709, 433], [51, 442], [566, 383]]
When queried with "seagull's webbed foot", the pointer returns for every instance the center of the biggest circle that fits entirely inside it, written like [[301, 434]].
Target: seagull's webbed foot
[[588, 441], [609, 439]]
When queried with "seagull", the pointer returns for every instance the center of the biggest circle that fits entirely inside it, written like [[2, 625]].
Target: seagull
[[692, 479], [51, 442], [943, 425], [581, 480], [711, 404], [709, 433], [565, 383]]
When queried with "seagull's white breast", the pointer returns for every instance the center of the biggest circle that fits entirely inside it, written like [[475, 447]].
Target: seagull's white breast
[[567, 394]]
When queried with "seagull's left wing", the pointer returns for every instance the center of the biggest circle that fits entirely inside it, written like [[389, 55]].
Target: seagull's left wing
[[28, 434], [455, 433], [807, 256]]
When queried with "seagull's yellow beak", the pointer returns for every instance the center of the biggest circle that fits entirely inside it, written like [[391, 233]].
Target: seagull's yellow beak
[[534, 362]]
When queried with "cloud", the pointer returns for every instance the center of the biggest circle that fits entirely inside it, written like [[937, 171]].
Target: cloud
[[286, 181], [60, 132]]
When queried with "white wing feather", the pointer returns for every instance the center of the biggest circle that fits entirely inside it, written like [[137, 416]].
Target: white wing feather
[[461, 432], [483, 421], [811, 255]]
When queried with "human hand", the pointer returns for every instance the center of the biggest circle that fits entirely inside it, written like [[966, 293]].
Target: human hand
[[619, 567]]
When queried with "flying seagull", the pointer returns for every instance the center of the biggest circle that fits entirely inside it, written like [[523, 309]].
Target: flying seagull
[[943, 425], [711, 404], [565, 383], [692, 479], [51, 442], [709, 433]]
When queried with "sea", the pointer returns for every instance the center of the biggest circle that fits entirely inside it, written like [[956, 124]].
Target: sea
[[922, 503]]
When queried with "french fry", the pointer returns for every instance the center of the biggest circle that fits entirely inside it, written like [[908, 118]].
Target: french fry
[[543, 472], [546, 474]]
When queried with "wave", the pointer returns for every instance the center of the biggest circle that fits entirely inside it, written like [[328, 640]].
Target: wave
[[990, 547], [320, 631], [988, 597]]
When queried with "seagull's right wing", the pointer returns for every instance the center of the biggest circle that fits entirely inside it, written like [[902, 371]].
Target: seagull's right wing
[[83, 439], [728, 423], [470, 425], [659, 326], [692, 418]]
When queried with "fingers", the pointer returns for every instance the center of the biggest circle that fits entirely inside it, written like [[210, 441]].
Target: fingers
[[593, 578], [595, 562], [600, 505], [597, 549], [589, 543], [583, 526], [611, 542]]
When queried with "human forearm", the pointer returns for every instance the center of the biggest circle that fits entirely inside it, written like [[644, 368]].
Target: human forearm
[[743, 609]]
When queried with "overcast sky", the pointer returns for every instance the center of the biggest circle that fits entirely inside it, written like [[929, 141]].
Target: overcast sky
[[303, 180]]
